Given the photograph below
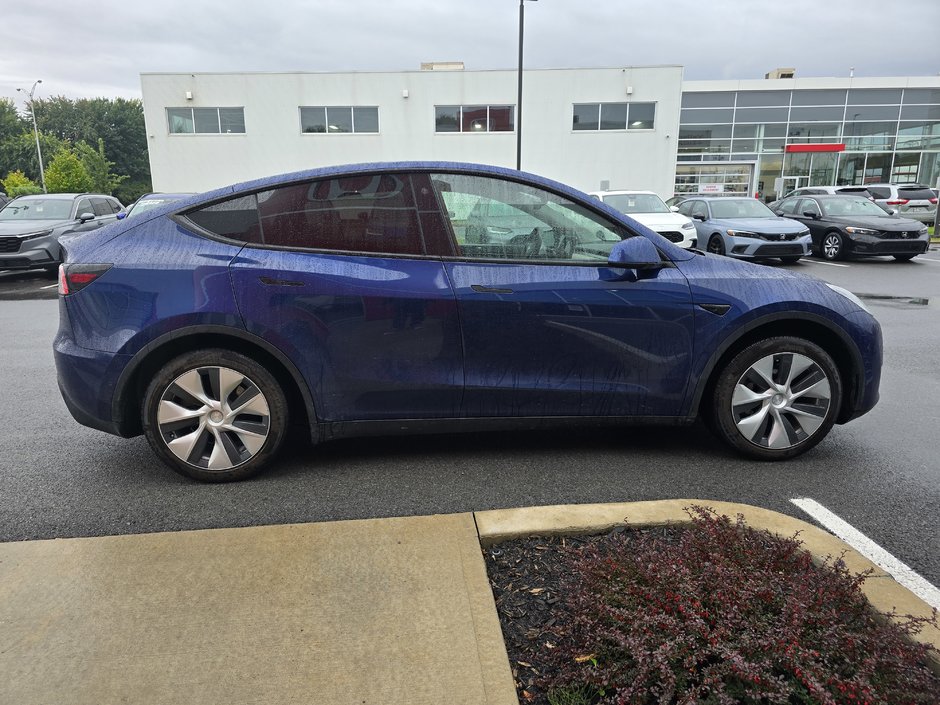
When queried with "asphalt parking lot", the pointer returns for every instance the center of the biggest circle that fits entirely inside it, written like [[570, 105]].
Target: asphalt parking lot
[[881, 473]]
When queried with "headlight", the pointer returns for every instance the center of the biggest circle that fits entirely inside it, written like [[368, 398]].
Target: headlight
[[850, 296], [741, 233], [803, 233], [922, 232], [691, 226], [30, 236], [860, 231]]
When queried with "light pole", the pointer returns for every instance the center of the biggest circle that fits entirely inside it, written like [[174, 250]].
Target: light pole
[[32, 111], [519, 100]]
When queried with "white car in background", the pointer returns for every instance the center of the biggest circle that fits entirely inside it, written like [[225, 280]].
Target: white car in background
[[650, 210]]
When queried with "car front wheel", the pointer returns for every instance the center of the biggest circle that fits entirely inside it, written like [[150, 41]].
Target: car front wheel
[[777, 398], [716, 244], [214, 415], [832, 246]]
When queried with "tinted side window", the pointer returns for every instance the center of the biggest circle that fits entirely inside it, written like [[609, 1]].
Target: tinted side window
[[788, 206], [84, 206], [808, 205], [236, 218], [372, 213], [879, 192], [499, 219], [685, 208], [101, 206], [700, 209]]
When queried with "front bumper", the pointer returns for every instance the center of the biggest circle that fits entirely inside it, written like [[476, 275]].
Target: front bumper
[[19, 253], [874, 245], [686, 239], [757, 248]]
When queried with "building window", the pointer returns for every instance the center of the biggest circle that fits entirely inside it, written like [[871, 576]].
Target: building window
[[205, 121], [339, 119], [474, 118], [613, 116]]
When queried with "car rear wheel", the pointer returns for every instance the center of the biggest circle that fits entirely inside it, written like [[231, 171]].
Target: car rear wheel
[[215, 415], [716, 244], [832, 246], [777, 398]]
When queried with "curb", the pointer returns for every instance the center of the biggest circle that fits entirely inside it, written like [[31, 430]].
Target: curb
[[884, 594]]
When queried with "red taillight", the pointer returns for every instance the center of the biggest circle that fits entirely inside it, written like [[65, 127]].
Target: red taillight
[[933, 200], [75, 277], [898, 202]]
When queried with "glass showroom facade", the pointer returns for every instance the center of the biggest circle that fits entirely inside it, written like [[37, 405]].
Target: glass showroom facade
[[769, 142]]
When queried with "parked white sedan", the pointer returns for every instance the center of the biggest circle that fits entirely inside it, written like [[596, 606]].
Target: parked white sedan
[[649, 209]]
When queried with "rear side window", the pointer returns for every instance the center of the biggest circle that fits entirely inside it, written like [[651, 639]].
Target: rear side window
[[879, 192], [373, 213], [370, 213]]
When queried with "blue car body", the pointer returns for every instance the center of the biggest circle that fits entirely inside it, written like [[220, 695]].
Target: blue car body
[[366, 344]]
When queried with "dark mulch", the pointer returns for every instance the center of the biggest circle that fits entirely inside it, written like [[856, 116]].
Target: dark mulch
[[528, 577]]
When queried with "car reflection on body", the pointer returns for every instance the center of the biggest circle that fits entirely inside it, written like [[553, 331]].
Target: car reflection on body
[[850, 225], [353, 301], [649, 209]]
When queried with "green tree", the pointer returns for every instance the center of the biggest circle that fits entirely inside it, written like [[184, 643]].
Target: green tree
[[11, 124], [19, 153], [118, 122], [18, 184], [98, 167], [67, 174]]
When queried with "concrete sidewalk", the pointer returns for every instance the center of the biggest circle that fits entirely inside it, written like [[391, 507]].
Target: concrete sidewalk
[[372, 612]]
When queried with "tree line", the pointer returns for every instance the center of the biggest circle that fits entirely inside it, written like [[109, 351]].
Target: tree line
[[89, 144]]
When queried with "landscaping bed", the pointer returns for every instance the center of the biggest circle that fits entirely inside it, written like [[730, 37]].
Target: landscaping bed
[[710, 612]]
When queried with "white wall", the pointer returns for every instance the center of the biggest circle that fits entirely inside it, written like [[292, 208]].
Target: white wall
[[273, 142]]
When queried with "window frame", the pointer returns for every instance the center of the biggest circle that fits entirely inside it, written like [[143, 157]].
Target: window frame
[[192, 118], [600, 117], [352, 119], [489, 120]]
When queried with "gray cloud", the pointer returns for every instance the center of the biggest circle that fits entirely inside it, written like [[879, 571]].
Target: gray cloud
[[99, 48]]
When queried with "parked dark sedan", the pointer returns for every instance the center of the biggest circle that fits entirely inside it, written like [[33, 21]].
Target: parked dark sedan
[[350, 300], [852, 225]]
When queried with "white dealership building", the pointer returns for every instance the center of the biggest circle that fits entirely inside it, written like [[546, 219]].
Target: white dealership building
[[618, 128]]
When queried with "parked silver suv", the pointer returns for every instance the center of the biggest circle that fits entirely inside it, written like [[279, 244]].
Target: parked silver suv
[[30, 226], [909, 200]]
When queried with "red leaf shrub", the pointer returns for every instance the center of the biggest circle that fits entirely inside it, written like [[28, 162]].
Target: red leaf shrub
[[722, 613]]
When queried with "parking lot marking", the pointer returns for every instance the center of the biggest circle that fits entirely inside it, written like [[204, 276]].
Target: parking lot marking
[[828, 264], [900, 571], [51, 286]]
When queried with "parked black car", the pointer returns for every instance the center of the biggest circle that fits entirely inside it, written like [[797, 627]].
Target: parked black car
[[851, 225], [30, 226]]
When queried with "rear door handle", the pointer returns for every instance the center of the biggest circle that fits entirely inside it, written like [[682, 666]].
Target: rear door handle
[[489, 289]]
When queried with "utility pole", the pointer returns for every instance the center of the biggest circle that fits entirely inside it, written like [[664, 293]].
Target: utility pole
[[32, 111], [519, 98]]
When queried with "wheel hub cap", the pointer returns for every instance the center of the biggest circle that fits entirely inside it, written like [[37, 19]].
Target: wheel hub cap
[[781, 400], [215, 418]]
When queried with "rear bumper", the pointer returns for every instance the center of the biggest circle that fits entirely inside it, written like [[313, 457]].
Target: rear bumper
[[87, 380]]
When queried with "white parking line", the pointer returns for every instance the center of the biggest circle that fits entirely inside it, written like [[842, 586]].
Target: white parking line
[[828, 264], [901, 572], [51, 286]]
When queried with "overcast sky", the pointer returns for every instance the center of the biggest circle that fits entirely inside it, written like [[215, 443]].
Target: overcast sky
[[100, 47]]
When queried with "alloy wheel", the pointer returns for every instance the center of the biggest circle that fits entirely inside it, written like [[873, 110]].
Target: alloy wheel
[[781, 400], [832, 246], [214, 418]]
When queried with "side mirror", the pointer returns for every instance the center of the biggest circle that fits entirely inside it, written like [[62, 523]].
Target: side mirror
[[86, 217], [811, 214], [635, 253], [699, 217], [674, 209]]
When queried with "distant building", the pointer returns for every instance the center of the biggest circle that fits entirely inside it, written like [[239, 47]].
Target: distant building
[[586, 127], [617, 128]]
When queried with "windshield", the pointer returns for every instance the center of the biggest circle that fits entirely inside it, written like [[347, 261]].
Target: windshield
[[740, 208], [636, 202], [852, 206], [37, 209], [147, 203]]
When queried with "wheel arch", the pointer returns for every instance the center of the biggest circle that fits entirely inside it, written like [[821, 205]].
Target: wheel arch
[[816, 329], [132, 384]]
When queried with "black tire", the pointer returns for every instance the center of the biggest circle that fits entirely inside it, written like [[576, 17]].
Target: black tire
[[904, 258], [225, 415], [832, 246], [780, 421], [716, 244], [791, 260]]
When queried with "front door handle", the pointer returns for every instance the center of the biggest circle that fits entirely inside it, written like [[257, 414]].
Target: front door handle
[[480, 289]]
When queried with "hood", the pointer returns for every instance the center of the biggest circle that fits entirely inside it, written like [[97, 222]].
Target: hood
[[762, 225], [876, 222], [22, 227], [660, 221]]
